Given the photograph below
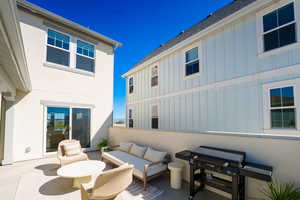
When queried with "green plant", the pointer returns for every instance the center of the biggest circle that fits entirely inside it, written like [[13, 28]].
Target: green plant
[[281, 191], [103, 143]]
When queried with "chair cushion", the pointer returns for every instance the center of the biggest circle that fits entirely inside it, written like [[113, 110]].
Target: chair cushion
[[70, 159], [154, 156], [125, 146], [72, 149], [138, 150], [120, 157]]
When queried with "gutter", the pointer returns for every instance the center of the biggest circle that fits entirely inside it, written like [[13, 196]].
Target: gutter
[[13, 37], [77, 27], [244, 11]]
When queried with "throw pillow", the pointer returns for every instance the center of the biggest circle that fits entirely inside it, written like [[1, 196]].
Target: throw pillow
[[138, 150], [125, 146], [154, 156], [72, 149]]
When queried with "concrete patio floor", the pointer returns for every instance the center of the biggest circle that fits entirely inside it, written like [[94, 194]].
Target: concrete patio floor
[[37, 180]]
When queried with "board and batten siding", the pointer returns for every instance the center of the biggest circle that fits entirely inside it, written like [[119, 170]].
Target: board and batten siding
[[224, 97]]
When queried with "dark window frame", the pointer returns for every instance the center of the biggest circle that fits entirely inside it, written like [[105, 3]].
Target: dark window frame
[[89, 58], [57, 48], [154, 122], [130, 85], [130, 119], [191, 64], [154, 78], [282, 108], [273, 35], [155, 118]]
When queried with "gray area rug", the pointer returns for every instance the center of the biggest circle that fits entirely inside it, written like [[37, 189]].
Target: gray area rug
[[136, 192]]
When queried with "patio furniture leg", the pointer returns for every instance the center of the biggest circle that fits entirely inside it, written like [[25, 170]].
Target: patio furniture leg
[[78, 181], [145, 183]]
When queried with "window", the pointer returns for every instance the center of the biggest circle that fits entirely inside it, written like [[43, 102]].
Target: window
[[130, 84], [279, 28], [191, 62], [85, 56], [130, 119], [282, 108], [154, 117], [154, 76], [58, 46]]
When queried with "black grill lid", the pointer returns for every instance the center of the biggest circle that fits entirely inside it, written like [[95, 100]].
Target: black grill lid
[[221, 153]]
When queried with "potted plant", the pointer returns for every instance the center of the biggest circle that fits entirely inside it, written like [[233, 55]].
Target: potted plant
[[281, 191], [103, 143]]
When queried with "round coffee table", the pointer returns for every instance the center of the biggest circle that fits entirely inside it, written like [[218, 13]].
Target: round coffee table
[[81, 171]]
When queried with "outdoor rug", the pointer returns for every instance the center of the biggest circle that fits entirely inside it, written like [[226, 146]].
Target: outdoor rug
[[136, 192]]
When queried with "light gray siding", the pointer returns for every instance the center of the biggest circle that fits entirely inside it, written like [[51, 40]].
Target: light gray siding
[[228, 54]]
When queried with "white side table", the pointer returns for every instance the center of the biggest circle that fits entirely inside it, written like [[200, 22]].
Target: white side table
[[176, 170]]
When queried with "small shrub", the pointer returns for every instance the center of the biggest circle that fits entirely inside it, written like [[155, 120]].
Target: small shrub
[[103, 143], [281, 191]]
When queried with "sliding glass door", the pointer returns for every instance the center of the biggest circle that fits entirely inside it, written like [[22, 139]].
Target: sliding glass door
[[67, 123], [81, 118]]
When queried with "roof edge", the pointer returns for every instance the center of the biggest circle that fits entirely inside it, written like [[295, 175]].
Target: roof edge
[[50, 15], [13, 37], [230, 18]]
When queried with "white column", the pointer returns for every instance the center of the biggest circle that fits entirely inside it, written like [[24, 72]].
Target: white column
[[8, 134], [0, 108]]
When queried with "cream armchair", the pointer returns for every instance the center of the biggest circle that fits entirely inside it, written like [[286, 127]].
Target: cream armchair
[[108, 185], [65, 157]]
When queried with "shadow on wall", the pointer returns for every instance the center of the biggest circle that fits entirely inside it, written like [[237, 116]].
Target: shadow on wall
[[102, 132]]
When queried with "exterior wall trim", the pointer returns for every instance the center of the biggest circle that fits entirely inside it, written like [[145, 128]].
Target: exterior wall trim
[[223, 133], [62, 104], [253, 77]]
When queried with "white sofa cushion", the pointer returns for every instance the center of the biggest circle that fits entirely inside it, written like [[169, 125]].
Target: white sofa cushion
[[120, 157], [138, 150], [72, 149], [154, 156], [125, 146]]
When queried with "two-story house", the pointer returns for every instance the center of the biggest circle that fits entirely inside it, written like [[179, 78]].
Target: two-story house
[[70, 89], [237, 72]]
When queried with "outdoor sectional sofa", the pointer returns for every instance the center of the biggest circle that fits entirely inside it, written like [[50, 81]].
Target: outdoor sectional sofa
[[148, 162]]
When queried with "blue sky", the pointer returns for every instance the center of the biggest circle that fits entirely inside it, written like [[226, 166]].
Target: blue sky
[[141, 25]]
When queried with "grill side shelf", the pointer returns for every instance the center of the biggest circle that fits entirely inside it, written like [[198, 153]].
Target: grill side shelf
[[184, 155], [257, 171]]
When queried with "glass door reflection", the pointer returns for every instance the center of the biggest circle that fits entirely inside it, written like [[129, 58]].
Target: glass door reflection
[[81, 120], [58, 126]]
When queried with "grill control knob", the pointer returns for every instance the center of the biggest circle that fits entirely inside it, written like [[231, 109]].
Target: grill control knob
[[226, 164]]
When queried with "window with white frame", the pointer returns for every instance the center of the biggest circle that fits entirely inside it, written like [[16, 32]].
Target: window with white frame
[[154, 117], [154, 76], [130, 118], [191, 62], [282, 107], [130, 85], [279, 27], [85, 56], [58, 46]]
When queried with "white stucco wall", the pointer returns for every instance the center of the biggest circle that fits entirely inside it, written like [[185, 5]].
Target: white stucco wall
[[59, 87], [281, 153]]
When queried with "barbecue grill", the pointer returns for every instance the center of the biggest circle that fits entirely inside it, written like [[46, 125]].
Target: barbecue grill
[[205, 160]]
